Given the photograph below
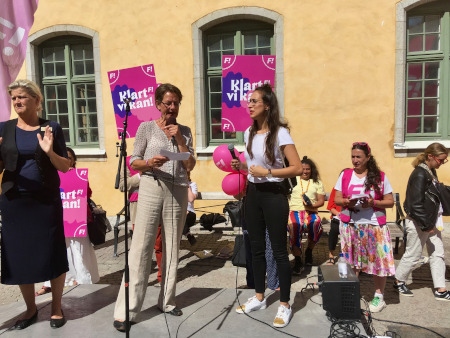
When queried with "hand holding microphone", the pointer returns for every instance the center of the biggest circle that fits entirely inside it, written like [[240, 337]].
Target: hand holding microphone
[[172, 121], [235, 163]]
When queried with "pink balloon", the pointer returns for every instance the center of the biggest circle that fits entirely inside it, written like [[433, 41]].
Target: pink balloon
[[242, 159], [233, 184], [222, 157]]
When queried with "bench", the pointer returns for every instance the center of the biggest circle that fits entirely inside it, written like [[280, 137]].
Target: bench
[[211, 196], [397, 227]]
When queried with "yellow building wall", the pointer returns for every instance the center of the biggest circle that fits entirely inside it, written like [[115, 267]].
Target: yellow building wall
[[339, 62]]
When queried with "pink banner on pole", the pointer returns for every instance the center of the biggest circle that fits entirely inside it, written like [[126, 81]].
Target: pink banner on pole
[[74, 190], [16, 19], [137, 84], [241, 74]]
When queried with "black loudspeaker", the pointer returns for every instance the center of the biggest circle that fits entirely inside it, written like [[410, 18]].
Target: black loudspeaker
[[340, 296]]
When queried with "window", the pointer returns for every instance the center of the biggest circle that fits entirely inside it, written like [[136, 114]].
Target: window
[[68, 81], [427, 79], [239, 37]]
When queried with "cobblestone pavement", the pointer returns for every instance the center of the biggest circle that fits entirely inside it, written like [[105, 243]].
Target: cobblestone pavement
[[215, 272]]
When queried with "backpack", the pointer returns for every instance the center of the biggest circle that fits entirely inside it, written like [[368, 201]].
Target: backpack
[[208, 220], [233, 209]]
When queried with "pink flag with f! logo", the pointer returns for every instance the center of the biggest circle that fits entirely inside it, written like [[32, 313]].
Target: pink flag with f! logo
[[74, 197], [16, 19]]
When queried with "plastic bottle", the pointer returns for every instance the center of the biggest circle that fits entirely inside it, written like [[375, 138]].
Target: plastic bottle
[[342, 266]]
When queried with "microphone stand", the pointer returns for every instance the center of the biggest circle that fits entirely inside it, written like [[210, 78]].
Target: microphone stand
[[123, 162]]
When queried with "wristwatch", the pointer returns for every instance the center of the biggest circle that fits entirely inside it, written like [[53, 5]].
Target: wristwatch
[[269, 174]]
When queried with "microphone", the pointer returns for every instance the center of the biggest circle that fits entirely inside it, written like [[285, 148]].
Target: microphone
[[231, 149], [171, 120]]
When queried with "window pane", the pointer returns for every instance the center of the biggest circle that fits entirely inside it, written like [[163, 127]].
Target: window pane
[[431, 88], [414, 89], [50, 92], [432, 42], [92, 106], [415, 43], [414, 71], [215, 84], [60, 69], [67, 136], [93, 120], [89, 66], [430, 125], [62, 92], [414, 107], [431, 70], [214, 42], [430, 107], [250, 41], [264, 51], [62, 107], [432, 24], [216, 100], [415, 24], [228, 42], [250, 52], [215, 59], [49, 70], [78, 68], [59, 54], [64, 121], [263, 40], [413, 125]]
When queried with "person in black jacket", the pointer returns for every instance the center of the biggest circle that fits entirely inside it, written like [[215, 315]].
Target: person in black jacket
[[424, 222], [33, 247]]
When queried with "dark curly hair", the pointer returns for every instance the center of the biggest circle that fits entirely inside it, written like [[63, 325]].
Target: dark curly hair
[[314, 172], [273, 121], [373, 178]]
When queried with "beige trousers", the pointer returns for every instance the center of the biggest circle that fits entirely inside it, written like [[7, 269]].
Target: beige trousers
[[159, 203]]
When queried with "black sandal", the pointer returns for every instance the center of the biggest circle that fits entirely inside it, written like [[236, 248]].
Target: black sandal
[[331, 261]]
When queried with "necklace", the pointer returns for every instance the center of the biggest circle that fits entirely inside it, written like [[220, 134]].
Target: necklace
[[307, 187]]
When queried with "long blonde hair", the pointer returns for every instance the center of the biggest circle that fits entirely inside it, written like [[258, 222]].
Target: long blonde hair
[[434, 149]]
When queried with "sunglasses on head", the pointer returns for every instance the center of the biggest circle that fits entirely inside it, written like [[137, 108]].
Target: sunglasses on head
[[362, 144]]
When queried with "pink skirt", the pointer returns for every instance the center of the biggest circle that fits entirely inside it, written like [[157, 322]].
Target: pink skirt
[[368, 248]]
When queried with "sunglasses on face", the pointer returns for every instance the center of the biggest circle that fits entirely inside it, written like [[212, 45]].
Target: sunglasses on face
[[440, 161]]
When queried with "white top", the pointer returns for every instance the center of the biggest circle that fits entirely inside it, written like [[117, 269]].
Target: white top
[[259, 158], [356, 187], [194, 189]]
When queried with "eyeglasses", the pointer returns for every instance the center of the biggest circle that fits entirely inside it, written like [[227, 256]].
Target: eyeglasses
[[254, 101], [362, 144], [440, 161], [169, 104]]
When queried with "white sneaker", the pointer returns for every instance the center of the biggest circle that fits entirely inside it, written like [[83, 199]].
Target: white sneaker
[[283, 316], [252, 304], [377, 305]]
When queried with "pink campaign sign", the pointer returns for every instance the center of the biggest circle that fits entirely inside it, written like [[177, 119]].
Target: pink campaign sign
[[241, 74], [137, 84], [73, 189]]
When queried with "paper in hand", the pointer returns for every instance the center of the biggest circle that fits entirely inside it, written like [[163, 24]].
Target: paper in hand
[[175, 156]]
